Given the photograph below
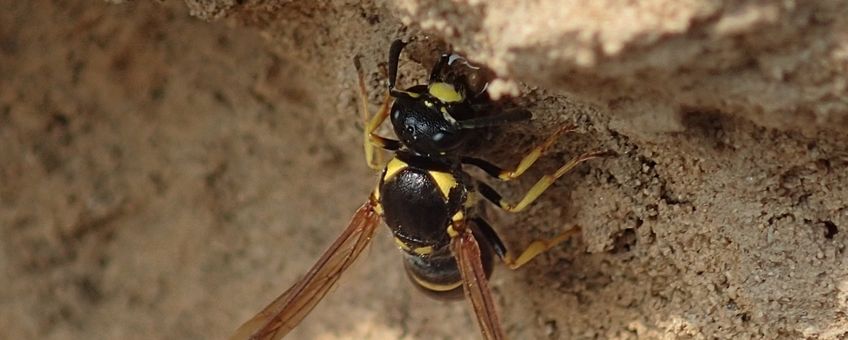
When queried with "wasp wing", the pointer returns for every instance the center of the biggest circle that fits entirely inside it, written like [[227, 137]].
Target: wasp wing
[[467, 252], [285, 312]]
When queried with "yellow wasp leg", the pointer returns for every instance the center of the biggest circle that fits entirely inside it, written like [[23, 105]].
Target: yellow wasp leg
[[534, 154], [371, 140], [537, 247], [543, 184]]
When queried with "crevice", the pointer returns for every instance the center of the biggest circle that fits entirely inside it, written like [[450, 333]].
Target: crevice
[[624, 241], [775, 218], [832, 230]]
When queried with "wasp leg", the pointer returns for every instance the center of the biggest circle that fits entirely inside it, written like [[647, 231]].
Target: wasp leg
[[372, 140], [543, 184], [524, 164], [534, 249], [537, 247], [491, 236]]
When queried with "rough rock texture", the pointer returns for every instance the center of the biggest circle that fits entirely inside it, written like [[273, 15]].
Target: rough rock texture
[[165, 177]]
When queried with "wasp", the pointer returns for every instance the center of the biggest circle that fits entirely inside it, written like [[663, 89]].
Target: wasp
[[426, 199]]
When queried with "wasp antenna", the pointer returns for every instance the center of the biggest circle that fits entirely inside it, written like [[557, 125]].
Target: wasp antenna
[[499, 119], [394, 59]]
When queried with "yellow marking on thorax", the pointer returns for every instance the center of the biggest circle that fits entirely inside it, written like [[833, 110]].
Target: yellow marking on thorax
[[395, 165], [459, 216], [376, 193], [436, 287], [423, 251], [445, 181], [375, 197], [452, 232], [445, 92], [401, 244]]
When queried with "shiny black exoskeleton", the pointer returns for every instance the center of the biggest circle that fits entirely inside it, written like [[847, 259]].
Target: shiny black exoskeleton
[[425, 198], [423, 190]]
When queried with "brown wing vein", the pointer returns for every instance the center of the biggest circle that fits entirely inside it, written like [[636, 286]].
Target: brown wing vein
[[287, 310], [467, 252]]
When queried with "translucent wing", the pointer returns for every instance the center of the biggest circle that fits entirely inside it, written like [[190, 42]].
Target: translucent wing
[[285, 312], [467, 253]]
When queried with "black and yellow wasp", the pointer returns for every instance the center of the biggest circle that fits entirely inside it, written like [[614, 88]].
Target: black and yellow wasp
[[426, 199]]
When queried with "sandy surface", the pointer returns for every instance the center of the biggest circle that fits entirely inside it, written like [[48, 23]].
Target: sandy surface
[[165, 177]]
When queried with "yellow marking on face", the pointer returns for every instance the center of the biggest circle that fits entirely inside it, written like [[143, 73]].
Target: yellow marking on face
[[401, 245], [446, 115], [423, 250], [378, 208], [436, 287], [376, 193], [459, 216], [445, 92], [394, 166], [444, 181]]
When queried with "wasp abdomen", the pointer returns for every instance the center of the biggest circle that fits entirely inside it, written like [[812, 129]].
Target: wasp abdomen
[[438, 274]]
